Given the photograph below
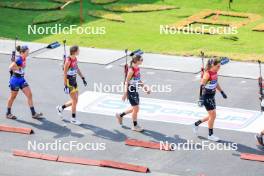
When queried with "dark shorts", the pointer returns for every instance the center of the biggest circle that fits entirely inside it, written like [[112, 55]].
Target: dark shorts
[[17, 83], [209, 102], [133, 96], [72, 84]]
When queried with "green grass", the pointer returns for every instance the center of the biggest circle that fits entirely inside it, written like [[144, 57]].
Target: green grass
[[106, 15], [142, 30]]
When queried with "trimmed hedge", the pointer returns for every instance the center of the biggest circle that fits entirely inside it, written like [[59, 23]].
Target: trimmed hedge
[[49, 17], [103, 1], [65, 1], [233, 38], [138, 7], [259, 28], [31, 5], [106, 15]]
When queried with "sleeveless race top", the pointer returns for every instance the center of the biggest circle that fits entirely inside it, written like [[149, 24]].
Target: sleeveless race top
[[211, 84], [21, 63], [136, 78], [73, 68]]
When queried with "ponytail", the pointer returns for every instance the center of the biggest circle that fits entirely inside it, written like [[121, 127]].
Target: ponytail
[[131, 63], [18, 48], [135, 59], [22, 49], [211, 63]]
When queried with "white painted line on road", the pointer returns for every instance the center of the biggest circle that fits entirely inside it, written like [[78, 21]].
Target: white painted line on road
[[108, 66], [197, 77], [171, 111], [150, 73]]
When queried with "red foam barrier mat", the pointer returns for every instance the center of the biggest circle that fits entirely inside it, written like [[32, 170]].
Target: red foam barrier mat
[[147, 144], [35, 155], [78, 161], [124, 166], [253, 157], [26, 154], [12, 129], [49, 157], [73, 160]]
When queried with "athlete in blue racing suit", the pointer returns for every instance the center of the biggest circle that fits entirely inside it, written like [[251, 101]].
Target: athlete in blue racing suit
[[17, 82]]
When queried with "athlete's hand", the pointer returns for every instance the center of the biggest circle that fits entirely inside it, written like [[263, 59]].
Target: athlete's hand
[[147, 89], [223, 94], [13, 58], [84, 81], [201, 102], [124, 97], [66, 89]]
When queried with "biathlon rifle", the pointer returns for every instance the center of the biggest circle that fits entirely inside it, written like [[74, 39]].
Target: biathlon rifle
[[138, 52], [224, 60], [126, 66], [49, 46], [260, 81], [64, 53], [200, 101], [13, 57]]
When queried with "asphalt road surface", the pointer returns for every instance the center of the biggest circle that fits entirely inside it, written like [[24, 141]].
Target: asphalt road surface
[[45, 79]]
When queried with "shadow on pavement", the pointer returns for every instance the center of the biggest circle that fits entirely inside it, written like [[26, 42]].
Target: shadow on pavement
[[241, 148], [162, 137], [47, 125], [115, 135]]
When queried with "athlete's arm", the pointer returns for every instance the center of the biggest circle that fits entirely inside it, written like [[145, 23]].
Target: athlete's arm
[[65, 70], [203, 82], [80, 73], [128, 78], [205, 78], [221, 91], [13, 66], [219, 88]]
